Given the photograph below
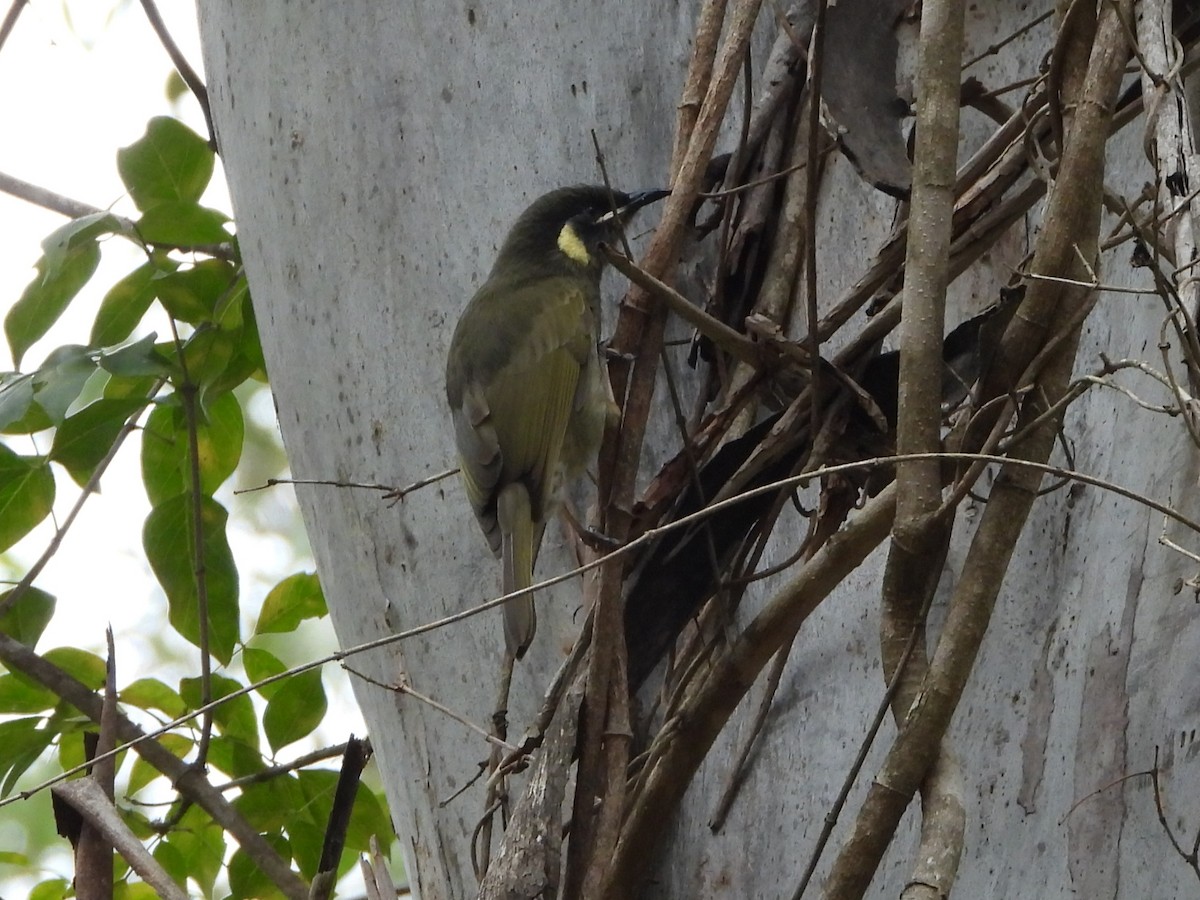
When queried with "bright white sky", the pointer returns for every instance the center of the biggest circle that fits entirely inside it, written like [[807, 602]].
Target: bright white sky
[[79, 79]]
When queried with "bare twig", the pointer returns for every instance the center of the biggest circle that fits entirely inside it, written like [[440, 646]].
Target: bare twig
[[638, 340], [88, 833], [391, 492], [353, 762], [812, 176], [1192, 858], [704, 51], [10, 20], [75, 209], [727, 339], [300, 762], [403, 687], [995, 48], [183, 67], [39, 196]]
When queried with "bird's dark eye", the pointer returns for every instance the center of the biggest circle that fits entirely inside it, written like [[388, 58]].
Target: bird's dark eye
[[588, 219]]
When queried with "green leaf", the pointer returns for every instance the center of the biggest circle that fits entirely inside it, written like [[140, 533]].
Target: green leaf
[[136, 359], [26, 619], [70, 256], [261, 664], [318, 786], [140, 824], [251, 345], [12, 858], [61, 378], [171, 858], [306, 841], [167, 539], [175, 86], [121, 386], [26, 495], [16, 399], [246, 879], [127, 301], [81, 664], [52, 889], [150, 693], [207, 356], [295, 710], [193, 294], [296, 598], [142, 773], [273, 804], [240, 329], [19, 696], [39, 400], [219, 441], [134, 890], [233, 757], [182, 224], [85, 438], [22, 741], [235, 718], [70, 750], [170, 162], [368, 819], [238, 370], [166, 469], [201, 845], [230, 311]]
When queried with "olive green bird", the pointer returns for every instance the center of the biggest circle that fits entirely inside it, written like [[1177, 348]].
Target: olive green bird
[[528, 393]]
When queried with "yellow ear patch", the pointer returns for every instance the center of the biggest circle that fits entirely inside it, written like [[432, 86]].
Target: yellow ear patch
[[572, 245]]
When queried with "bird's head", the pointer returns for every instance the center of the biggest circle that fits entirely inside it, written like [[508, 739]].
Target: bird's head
[[564, 228]]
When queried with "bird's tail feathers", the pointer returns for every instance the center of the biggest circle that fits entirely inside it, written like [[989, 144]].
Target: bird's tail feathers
[[518, 548]]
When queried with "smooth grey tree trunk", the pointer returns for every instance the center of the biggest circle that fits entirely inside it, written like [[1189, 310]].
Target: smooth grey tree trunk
[[375, 154]]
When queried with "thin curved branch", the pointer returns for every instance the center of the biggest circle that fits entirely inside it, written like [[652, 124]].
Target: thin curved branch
[[183, 67], [10, 20]]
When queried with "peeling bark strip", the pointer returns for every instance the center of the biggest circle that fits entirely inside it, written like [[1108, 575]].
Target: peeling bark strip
[[861, 50], [1039, 709], [1097, 823]]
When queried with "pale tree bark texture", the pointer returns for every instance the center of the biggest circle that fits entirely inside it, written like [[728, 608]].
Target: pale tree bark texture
[[376, 154]]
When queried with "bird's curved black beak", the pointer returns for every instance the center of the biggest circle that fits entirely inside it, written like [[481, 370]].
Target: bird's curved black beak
[[636, 201]]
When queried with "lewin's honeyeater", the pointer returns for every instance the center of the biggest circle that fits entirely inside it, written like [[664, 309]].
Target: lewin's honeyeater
[[527, 390]]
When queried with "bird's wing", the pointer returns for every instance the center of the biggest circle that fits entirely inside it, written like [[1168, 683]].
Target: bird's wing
[[479, 459], [511, 424]]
